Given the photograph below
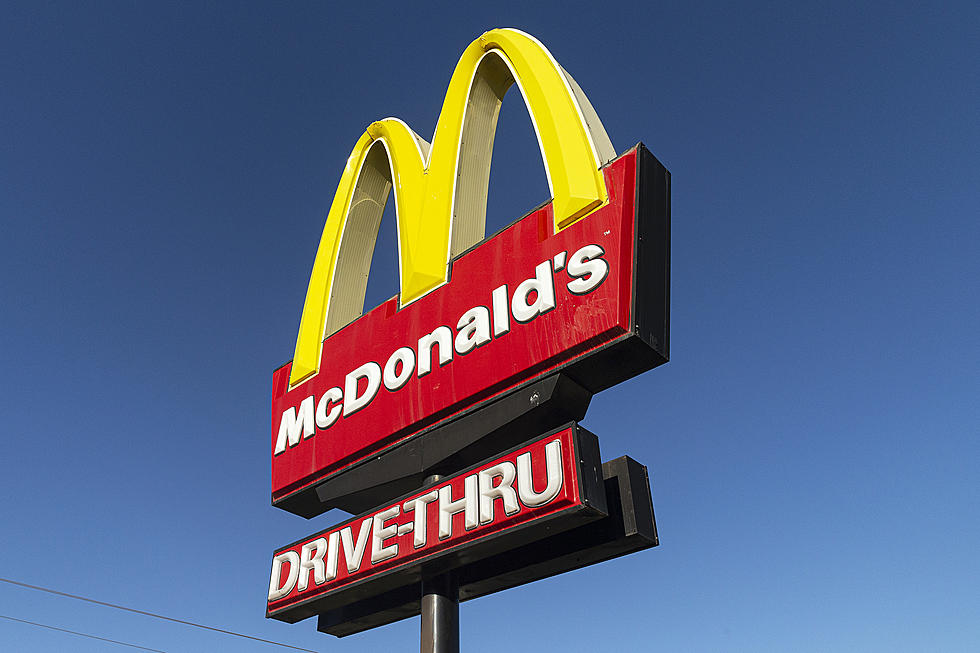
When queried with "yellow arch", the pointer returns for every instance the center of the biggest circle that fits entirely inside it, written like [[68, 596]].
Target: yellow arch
[[441, 190]]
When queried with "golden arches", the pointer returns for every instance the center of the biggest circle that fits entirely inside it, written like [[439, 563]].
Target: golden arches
[[441, 190]]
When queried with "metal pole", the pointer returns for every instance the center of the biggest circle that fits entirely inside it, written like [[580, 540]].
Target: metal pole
[[440, 609]]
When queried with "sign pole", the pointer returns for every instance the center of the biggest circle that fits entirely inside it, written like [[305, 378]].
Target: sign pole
[[440, 609]]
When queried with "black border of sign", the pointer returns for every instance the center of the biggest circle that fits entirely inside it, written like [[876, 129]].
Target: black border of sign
[[645, 346], [586, 460]]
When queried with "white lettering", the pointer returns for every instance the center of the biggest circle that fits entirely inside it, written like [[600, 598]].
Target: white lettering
[[441, 336], [291, 425], [587, 269], [506, 472], [474, 329], [395, 378], [525, 477], [333, 554], [326, 419], [419, 505], [586, 263], [380, 552], [311, 557], [370, 371], [543, 286], [559, 260], [469, 504], [354, 553], [501, 316], [276, 591]]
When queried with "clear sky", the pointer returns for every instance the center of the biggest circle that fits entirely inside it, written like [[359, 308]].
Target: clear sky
[[165, 171]]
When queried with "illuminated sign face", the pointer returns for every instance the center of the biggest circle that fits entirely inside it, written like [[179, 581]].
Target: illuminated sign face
[[577, 286], [543, 488]]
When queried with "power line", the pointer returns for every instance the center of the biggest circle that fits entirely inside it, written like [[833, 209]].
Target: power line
[[151, 614], [72, 632]]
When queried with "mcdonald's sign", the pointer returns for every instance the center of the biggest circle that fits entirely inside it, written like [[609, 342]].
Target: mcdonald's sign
[[578, 286]]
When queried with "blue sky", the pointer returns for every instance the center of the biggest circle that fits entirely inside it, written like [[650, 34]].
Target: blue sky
[[165, 170]]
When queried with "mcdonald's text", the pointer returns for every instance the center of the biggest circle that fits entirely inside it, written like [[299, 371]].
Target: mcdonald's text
[[478, 326]]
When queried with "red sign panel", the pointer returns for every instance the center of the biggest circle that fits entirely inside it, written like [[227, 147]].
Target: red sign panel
[[520, 305], [540, 489]]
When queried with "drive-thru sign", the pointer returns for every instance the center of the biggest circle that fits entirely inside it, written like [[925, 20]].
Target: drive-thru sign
[[476, 372]]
